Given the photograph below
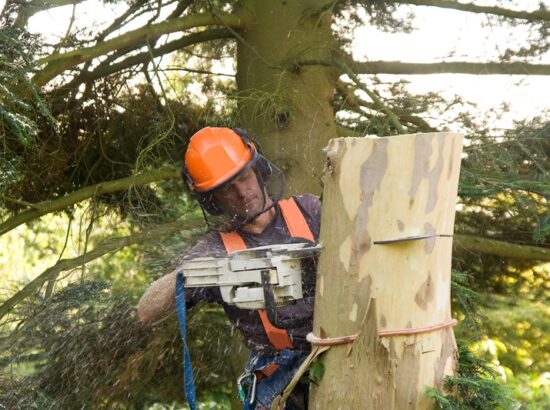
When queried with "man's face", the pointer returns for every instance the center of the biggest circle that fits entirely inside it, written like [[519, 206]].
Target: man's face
[[242, 198]]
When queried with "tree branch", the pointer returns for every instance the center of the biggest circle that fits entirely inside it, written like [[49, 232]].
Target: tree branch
[[195, 38], [539, 15], [46, 207], [343, 131], [116, 24], [195, 71], [107, 246], [40, 5], [132, 13], [353, 102], [457, 67], [374, 97], [30, 9], [351, 74], [500, 248], [105, 70], [58, 63]]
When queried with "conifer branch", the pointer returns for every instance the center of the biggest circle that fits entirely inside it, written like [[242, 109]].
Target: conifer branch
[[538, 15], [104, 70], [500, 248], [456, 67], [345, 69], [58, 63], [59, 204], [105, 247]]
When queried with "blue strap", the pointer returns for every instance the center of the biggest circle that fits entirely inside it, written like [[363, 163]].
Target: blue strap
[[188, 379]]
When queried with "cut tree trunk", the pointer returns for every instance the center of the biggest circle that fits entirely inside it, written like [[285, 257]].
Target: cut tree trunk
[[387, 225]]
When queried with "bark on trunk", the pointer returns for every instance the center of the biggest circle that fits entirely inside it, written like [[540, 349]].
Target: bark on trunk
[[378, 190], [287, 108]]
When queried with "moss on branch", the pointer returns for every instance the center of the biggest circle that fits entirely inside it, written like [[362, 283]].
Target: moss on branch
[[500, 248], [104, 70], [46, 207], [457, 67], [58, 63]]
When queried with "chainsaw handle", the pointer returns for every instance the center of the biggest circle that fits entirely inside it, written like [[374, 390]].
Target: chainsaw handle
[[271, 306], [269, 299]]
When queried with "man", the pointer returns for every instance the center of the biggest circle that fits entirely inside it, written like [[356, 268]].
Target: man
[[240, 192]]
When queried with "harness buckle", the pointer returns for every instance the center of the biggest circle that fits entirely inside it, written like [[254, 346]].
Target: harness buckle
[[246, 384]]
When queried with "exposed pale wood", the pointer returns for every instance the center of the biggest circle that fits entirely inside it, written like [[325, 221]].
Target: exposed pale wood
[[380, 189]]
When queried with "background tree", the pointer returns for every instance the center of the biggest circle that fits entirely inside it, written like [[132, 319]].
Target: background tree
[[93, 125]]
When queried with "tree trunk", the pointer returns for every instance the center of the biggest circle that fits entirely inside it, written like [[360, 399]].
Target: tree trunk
[[288, 108], [373, 277]]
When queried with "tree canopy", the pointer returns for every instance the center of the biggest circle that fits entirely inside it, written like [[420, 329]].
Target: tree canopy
[[95, 122]]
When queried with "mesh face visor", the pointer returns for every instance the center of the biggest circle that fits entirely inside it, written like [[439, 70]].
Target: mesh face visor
[[268, 190]]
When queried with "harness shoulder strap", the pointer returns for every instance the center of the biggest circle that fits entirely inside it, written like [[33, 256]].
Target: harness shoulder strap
[[278, 337], [232, 241], [294, 219], [298, 228]]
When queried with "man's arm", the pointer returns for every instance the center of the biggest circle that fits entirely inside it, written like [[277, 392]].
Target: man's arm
[[159, 300]]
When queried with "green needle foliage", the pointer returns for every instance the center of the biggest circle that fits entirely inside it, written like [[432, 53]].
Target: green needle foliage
[[85, 348], [474, 386], [22, 109], [21, 106]]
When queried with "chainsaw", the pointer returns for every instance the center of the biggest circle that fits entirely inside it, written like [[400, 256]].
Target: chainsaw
[[254, 278]]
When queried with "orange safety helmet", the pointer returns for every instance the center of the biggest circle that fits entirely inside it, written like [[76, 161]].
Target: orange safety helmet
[[214, 156]]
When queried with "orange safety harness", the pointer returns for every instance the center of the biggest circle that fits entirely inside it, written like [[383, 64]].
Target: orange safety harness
[[298, 228]]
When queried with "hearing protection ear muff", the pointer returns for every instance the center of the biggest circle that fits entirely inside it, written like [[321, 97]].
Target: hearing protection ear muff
[[187, 180], [208, 204], [262, 165]]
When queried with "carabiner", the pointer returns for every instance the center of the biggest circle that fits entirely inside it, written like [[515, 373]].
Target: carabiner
[[250, 391]]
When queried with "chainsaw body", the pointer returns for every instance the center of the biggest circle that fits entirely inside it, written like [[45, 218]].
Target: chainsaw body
[[245, 276]]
